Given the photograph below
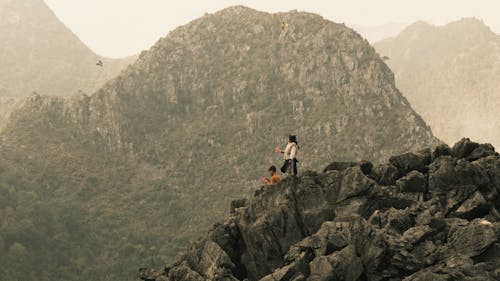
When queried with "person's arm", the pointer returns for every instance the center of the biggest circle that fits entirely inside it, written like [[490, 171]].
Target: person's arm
[[293, 152]]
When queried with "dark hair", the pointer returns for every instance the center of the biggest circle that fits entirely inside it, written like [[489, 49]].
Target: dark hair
[[272, 169], [292, 138]]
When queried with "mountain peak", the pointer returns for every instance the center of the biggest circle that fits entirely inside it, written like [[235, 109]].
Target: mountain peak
[[465, 25], [469, 24], [237, 9]]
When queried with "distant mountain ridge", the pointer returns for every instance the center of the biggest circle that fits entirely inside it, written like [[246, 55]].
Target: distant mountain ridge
[[450, 75], [160, 150], [40, 54]]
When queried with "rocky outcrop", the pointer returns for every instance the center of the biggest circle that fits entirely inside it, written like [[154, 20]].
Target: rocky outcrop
[[437, 220]]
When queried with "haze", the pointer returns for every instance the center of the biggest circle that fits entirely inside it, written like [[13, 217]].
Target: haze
[[118, 28]]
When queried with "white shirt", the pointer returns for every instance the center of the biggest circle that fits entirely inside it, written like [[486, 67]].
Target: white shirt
[[293, 152]]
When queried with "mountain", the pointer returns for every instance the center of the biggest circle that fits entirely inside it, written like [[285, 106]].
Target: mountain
[[139, 167], [39, 54], [431, 215], [450, 76]]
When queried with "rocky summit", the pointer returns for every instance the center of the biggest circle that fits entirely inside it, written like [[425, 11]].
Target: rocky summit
[[429, 215]]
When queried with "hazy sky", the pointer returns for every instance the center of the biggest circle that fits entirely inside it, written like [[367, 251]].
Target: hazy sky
[[117, 28]]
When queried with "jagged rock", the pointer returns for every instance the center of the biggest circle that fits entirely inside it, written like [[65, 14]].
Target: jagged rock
[[354, 183], [366, 167], [341, 265], [183, 272], [235, 204], [455, 179], [343, 225], [482, 151], [339, 166], [149, 274], [409, 162], [386, 174], [413, 182], [474, 207], [440, 150], [471, 239], [463, 148]]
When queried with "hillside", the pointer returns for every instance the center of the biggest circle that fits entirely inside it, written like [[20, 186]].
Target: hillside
[[39, 54], [431, 215], [158, 153], [450, 76]]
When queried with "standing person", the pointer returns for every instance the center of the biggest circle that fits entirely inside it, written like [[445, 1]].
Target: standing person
[[290, 155], [273, 177]]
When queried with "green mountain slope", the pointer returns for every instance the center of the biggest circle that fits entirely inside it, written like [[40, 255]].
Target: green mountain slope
[[450, 75], [157, 153]]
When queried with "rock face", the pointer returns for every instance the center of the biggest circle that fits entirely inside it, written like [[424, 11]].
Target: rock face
[[193, 123], [450, 76], [348, 225]]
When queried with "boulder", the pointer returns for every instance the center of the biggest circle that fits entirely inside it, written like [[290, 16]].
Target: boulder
[[463, 148], [474, 207], [471, 239], [440, 150], [413, 182], [408, 162], [341, 265], [386, 174], [354, 183], [448, 177], [339, 166], [482, 151]]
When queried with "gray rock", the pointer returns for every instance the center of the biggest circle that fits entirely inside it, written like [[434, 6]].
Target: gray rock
[[409, 162], [440, 150], [413, 182], [341, 265], [339, 166], [482, 151], [474, 207], [386, 174], [463, 148], [471, 239]]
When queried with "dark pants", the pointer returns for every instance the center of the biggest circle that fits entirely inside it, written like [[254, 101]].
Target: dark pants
[[290, 167]]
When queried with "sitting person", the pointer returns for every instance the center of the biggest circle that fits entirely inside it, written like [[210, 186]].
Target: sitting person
[[273, 177]]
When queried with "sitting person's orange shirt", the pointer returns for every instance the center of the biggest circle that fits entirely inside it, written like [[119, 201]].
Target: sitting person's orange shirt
[[274, 179]]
